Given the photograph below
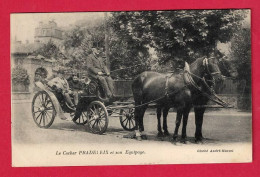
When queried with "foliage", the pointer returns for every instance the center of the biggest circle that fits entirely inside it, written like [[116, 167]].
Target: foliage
[[78, 43], [125, 52], [73, 38], [49, 50], [177, 35], [241, 55], [20, 75]]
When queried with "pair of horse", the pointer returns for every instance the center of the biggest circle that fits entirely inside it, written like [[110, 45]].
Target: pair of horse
[[181, 91]]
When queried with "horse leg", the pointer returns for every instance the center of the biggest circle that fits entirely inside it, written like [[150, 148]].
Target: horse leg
[[199, 112], [184, 123], [165, 114], [177, 124], [141, 123], [137, 117], [159, 128]]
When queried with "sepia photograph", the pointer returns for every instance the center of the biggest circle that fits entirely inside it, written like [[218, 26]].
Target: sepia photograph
[[131, 87]]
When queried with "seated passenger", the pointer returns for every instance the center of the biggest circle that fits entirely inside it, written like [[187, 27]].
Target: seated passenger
[[60, 83], [76, 87]]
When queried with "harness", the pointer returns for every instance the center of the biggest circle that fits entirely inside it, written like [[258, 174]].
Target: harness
[[189, 81], [167, 84], [187, 76]]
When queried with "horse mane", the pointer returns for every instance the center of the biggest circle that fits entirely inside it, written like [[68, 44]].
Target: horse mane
[[196, 61]]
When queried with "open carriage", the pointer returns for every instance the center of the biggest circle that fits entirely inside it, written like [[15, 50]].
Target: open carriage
[[93, 109]]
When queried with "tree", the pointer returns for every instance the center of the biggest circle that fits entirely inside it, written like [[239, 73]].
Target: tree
[[78, 43], [49, 50], [177, 35], [241, 56]]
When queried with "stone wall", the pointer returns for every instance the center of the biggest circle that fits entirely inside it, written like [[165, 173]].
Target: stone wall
[[31, 65]]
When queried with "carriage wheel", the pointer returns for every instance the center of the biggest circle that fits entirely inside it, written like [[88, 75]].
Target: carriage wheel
[[43, 110], [97, 117], [127, 119], [96, 89], [82, 120]]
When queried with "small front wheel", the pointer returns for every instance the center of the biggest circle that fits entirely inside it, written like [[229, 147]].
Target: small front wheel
[[97, 117], [127, 119], [82, 120]]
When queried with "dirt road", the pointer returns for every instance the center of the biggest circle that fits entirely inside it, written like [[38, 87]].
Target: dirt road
[[219, 127]]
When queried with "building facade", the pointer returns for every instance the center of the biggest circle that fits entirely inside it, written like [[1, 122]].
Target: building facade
[[48, 32]]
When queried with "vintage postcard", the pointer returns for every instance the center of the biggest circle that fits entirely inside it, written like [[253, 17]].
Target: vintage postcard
[[131, 88]]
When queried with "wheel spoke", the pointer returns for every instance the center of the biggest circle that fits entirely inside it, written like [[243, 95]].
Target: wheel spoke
[[102, 123], [84, 114], [40, 120], [36, 112], [48, 101], [48, 115], [124, 120], [96, 110], [92, 120], [93, 112], [79, 118], [99, 125], [126, 123], [129, 124], [49, 111], [84, 117], [94, 124], [102, 115], [132, 122], [44, 119], [36, 106], [38, 116], [49, 108]]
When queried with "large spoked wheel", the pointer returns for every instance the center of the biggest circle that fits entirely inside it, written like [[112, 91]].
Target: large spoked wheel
[[127, 119], [43, 110], [82, 120], [97, 117]]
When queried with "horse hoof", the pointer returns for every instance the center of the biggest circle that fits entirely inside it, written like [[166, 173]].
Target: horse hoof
[[159, 134], [144, 137], [183, 141], [139, 138], [166, 133], [199, 141], [130, 135], [175, 137]]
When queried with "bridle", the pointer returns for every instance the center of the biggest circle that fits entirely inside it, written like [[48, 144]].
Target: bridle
[[206, 65], [212, 96]]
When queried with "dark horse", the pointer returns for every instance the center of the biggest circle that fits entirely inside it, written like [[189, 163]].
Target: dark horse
[[175, 90], [227, 69]]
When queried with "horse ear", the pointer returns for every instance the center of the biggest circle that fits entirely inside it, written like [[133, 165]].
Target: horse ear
[[187, 67], [205, 62]]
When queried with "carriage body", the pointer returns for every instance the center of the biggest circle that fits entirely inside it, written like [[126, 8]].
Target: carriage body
[[49, 102]]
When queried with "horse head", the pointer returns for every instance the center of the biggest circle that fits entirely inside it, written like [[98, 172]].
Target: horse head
[[227, 68], [212, 69]]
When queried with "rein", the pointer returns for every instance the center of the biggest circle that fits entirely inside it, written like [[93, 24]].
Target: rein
[[215, 98], [193, 83]]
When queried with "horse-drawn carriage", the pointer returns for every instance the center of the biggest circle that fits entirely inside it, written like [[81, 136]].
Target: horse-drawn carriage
[[189, 89], [93, 110]]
